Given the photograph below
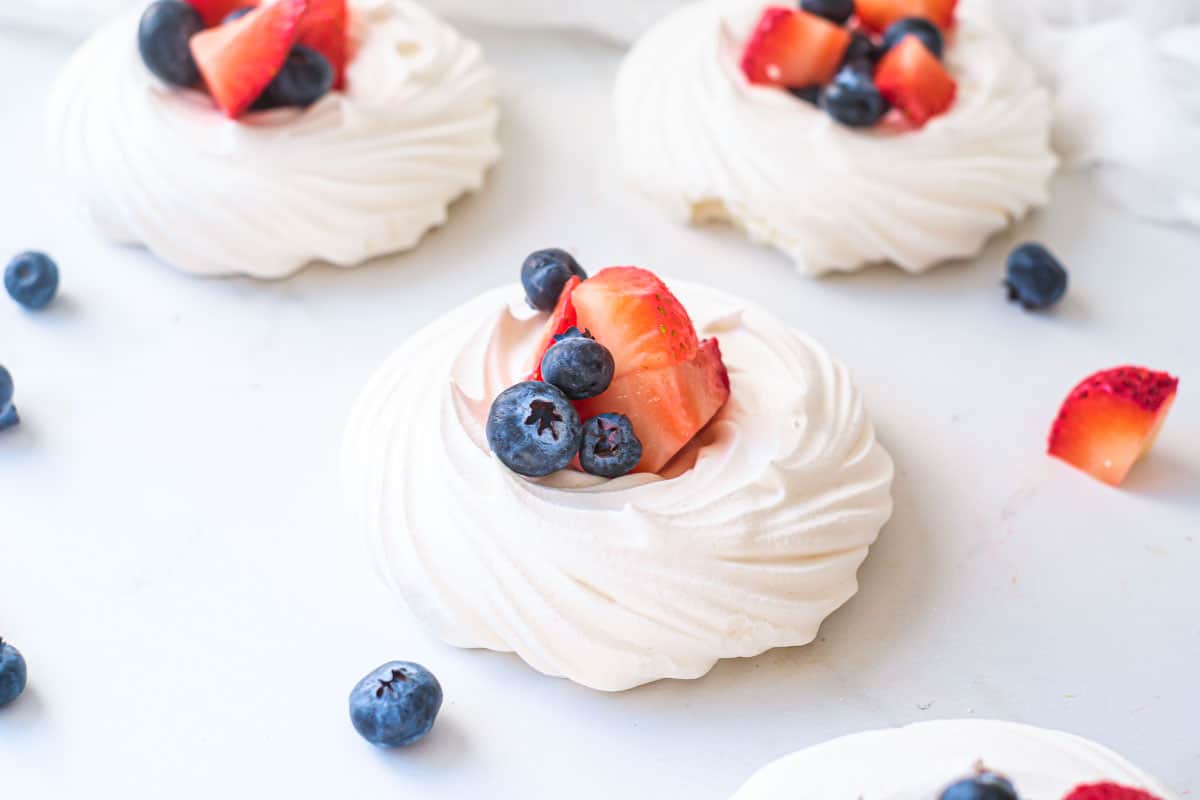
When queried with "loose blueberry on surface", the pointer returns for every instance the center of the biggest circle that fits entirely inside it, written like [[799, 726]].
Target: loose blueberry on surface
[[533, 429], [1035, 278], [833, 10], [580, 366], [929, 34], [544, 274], [13, 673], [305, 78], [8, 412], [163, 35], [853, 100], [809, 94], [610, 448], [396, 704], [236, 14], [32, 280], [862, 53], [984, 786]]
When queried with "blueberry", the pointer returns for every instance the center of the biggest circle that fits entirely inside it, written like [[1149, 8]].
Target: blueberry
[[862, 53], [809, 94], [32, 280], [533, 429], [396, 704], [923, 29], [13, 673], [305, 78], [610, 446], [580, 366], [833, 10], [163, 39], [852, 99], [236, 14], [545, 273], [984, 786], [8, 412], [1035, 277], [571, 333]]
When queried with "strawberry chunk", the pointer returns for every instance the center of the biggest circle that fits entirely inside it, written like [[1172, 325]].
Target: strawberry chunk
[[561, 319], [239, 59], [633, 313], [324, 28], [790, 47], [1107, 791], [213, 11], [913, 80], [877, 15], [1111, 420], [669, 405]]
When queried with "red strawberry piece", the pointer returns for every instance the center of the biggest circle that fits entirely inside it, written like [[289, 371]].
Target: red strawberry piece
[[1107, 791], [561, 319], [213, 11], [238, 60], [1111, 419], [877, 15], [914, 81], [794, 48], [324, 28]]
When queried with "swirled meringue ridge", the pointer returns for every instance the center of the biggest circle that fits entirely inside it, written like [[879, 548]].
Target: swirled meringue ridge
[[746, 542], [361, 173], [918, 761], [697, 138]]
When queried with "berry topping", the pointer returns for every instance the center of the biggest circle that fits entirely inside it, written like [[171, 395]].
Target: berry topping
[[214, 12], [305, 78], [396, 704], [8, 412], [163, 35], [913, 80], [1035, 278], [853, 100], [1111, 419], [578, 365], [32, 280], [877, 15], [794, 48], [838, 11], [862, 54], [610, 447], [571, 333], [13, 673], [560, 324], [236, 14], [324, 28], [984, 786], [545, 273], [239, 60], [809, 94], [533, 429], [929, 34], [1108, 791]]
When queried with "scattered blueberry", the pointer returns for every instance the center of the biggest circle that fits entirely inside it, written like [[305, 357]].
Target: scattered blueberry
[[862, 53], [1035, 277], [923, 29], [8, 412], [166, 28], [984, 786], [852, 99], [580, 366], [396, 704], [610, 446], [533, 429], [305, 78], [809, 94], [833, 10], [13, 673], [545, 273], [236, 14], [32, 280]]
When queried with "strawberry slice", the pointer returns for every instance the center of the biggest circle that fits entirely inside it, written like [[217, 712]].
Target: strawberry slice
[[324, 28], [668, 406], [877, 15], [213, 11], [790, 47], [1111, 419], [1108, 791], [561, 319], [914, 81], [238, 60], [633, 313]]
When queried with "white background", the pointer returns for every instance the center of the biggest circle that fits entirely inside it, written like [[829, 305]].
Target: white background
[[177, 568]]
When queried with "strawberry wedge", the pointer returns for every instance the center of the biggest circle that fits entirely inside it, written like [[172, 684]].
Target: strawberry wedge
[[877, 15], [790, 47], [324, 28]]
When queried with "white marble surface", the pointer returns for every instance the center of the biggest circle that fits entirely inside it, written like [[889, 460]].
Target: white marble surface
[[176, 565]]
